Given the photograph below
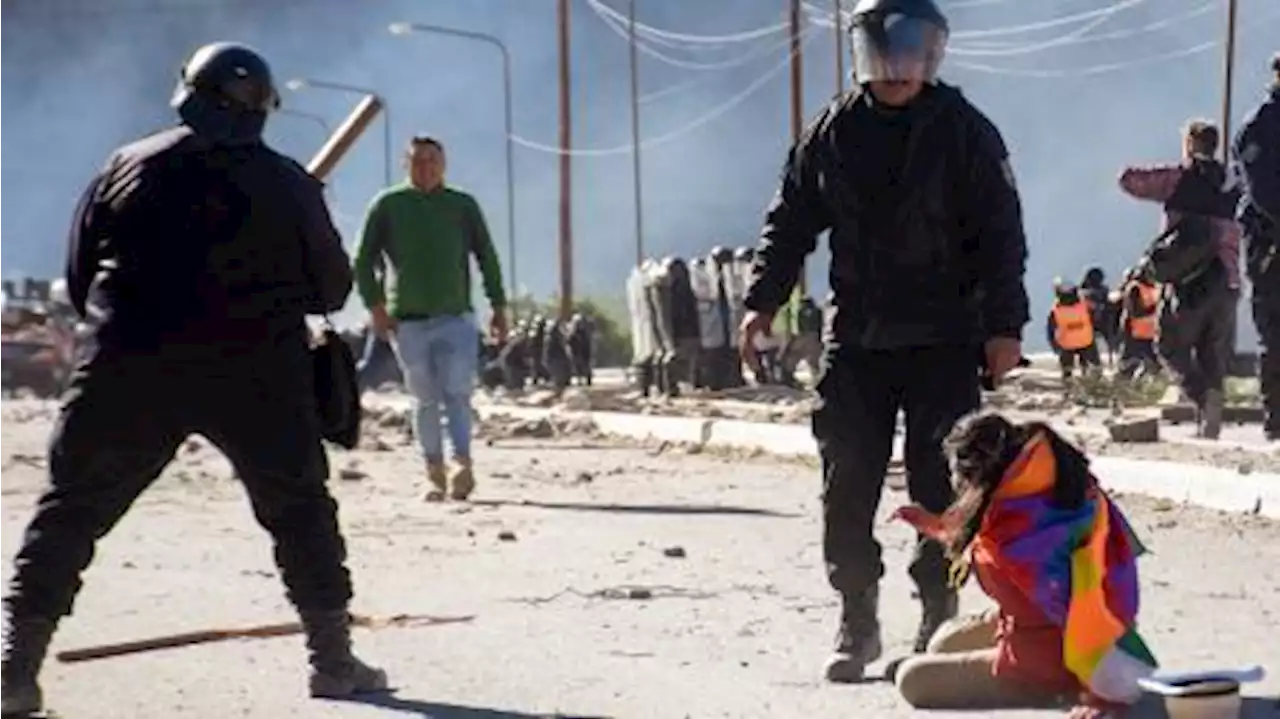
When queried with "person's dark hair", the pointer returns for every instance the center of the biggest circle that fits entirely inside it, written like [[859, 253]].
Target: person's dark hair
[[1275, 68], [418, 141], [980, 448], [1203, 136]]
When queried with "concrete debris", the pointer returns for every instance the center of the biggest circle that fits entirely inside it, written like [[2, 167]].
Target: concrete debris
[[1135, 430]]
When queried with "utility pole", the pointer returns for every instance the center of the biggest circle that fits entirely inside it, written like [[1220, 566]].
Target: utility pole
[[635, 133], [566, 167], [797, 100], [839, 49], [1228, 72]]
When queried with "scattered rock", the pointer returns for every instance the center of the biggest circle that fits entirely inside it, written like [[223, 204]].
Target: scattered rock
[[500, 475], [674, 552], [352, 474], [639, 593], [1135, 430], [506, 535], [584, 478]]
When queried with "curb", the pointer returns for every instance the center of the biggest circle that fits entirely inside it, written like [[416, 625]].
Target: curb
[[1210, 487]]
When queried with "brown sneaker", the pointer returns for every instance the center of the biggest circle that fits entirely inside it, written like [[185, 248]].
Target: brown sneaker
[[439, 479], [463, 480]]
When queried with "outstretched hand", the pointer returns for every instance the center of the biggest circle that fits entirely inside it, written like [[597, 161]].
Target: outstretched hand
[[924, 521]]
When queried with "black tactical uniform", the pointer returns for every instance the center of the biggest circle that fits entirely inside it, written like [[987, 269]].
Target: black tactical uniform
[[514, 359], [204, 249], [537, 334], [555, 355], [1257, 152], [581, 339], [680, 363], [927, 263]]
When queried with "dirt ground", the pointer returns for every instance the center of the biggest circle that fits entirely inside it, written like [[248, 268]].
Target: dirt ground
[[603, 581]]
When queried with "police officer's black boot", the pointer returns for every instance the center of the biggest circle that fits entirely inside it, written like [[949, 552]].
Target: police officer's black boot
[[1211, 414], [937, 606], [335, 671], [25, 643], [858, 638]]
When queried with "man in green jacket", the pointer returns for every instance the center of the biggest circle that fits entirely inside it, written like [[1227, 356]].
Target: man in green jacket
[[426, 234]]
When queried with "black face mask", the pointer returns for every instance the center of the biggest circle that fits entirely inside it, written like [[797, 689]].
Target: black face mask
[[220, 123]]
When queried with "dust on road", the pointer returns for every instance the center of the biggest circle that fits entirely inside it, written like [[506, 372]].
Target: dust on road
[[606, 581]]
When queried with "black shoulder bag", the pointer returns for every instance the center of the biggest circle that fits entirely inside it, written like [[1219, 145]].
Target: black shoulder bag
[[337, 388]]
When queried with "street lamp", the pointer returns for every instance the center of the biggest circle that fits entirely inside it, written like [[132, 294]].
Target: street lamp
[[406, 28], [324, 125], [300, 83], [311, 116]]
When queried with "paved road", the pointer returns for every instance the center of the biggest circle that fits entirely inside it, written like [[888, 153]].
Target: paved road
[[737, 628]]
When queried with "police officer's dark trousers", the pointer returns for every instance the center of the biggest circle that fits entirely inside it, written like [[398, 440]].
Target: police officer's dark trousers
[[1266, 318], [1194, 338], [122, 422], [860, 394], [1137, 355]]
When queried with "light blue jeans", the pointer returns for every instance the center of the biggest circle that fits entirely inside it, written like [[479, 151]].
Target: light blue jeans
[[438, 357]]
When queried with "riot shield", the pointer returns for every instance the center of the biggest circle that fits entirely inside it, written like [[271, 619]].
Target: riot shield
[[641, 324], [735, 288], [711, 325], [657, 281]]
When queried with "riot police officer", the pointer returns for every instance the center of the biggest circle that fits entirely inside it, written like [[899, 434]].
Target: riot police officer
[[205, 249], [927, 265], [1257, 153]]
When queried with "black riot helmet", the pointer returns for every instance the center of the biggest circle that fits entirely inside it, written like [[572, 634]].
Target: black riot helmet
[[744, 254], [897, 40], [721, 254], [225, 92]]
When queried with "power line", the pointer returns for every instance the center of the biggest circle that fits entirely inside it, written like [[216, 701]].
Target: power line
[[69, 8], [617, 29], [1105, 68], [688, 64], [707, 117], [1203, 9], [826, 19], [1077, 34], [642, 29], [1092, 69]]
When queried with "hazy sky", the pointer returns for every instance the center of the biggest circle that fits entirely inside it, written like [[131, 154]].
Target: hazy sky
[[81, 76]]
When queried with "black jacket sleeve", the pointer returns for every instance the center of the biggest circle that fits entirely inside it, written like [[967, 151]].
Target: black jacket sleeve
[[1051, 331], [1257, 152], [84, 242], [994, 212], [795, 218], [328, 265]]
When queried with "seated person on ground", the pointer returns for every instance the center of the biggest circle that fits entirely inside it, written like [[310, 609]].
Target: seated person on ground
[[1058, 558]]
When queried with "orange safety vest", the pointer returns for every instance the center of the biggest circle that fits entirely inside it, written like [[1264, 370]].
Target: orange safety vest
[[1072, 326], [1144, 327]]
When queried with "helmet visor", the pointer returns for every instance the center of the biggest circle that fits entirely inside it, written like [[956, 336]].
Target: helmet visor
[[894, 46]]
